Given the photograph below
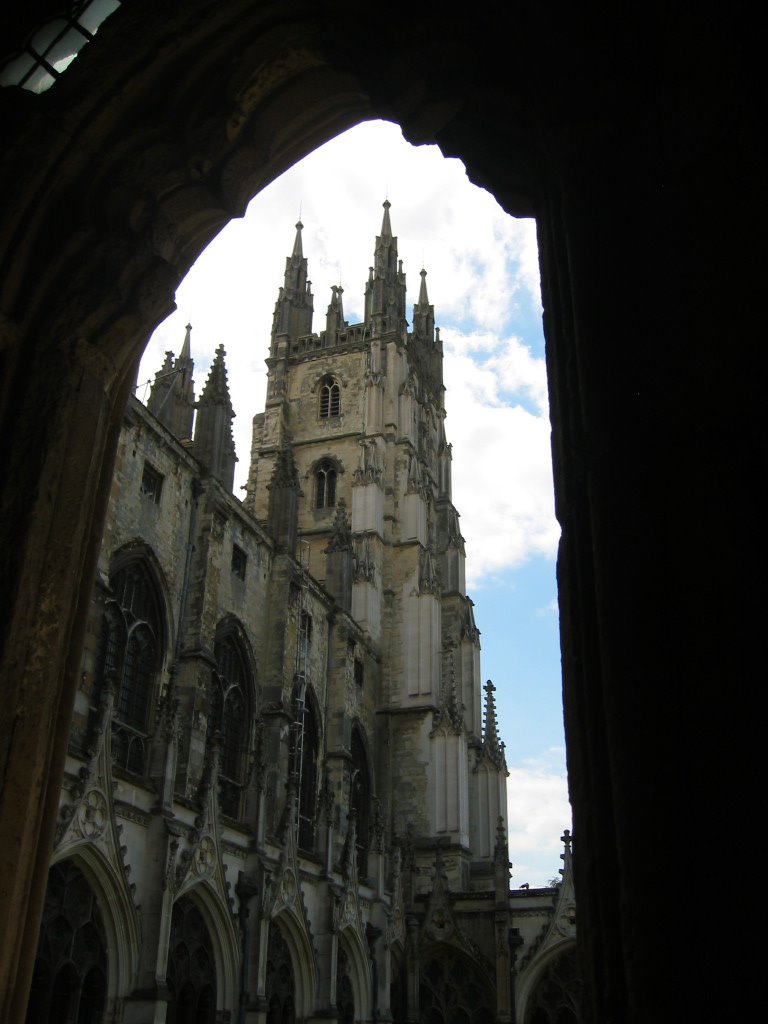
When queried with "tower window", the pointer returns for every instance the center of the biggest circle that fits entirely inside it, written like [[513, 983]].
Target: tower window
[[239, 561], [330, 398], [151, 483], [359, 674], [326, 485]]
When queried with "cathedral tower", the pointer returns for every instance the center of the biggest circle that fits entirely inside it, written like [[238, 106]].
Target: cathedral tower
[[360, 411]]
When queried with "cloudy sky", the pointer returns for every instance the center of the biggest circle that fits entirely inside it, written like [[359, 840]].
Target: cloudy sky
[[483, 280]]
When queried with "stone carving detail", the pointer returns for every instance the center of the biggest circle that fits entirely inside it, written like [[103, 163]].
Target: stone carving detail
[[450, 710], [369, 468], [341, 536], [429, 574], [93, 814], [363, 566]]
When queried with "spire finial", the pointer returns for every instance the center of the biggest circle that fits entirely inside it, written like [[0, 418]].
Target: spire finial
[[186, 348], [386, 227], [298, 252], [490, 729]]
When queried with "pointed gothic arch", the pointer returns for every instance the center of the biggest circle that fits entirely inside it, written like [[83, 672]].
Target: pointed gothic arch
[[293, 932], [224, 945], [117, 919], [356, 966], [547, 990], [232, 713], [130, 657], [454, 989]]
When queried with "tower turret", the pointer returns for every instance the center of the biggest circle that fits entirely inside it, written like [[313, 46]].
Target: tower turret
[[294, 307], [385, 290], [213, 444], [172, 399]]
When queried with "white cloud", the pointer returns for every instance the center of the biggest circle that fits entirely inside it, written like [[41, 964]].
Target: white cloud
[[538, 811]]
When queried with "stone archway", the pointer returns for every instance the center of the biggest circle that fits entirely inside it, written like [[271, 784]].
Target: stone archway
[[621, 136]]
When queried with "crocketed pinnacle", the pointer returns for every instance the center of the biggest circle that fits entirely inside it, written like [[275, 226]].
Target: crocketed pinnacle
[[491, 743], [341, 537], [216, 390]]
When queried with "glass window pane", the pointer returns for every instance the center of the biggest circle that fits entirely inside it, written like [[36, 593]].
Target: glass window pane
[[96, 12]]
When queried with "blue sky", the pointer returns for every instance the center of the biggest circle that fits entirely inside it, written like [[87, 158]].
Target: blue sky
[[483, 280]]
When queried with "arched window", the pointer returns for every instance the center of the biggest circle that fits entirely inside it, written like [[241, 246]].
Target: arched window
[[231, 717], [452, 991], [360, 801], [70, 976], [325, 485], [129, 659], [280, 986], [330, 398], [191, 968]]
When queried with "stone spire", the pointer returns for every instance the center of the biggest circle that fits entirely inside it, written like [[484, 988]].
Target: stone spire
[[213, 444], [292, 318], [172, 399], [385, 291]]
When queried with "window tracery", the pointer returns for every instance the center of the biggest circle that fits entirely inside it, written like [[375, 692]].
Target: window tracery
[[128, 660], [231, 717], [70, 975], [330, 398], [325, 484], [191, 970]]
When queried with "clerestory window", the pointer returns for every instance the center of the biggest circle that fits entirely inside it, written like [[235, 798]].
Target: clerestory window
[[129, 658], [330, 398], [325, 485], [230, 717]]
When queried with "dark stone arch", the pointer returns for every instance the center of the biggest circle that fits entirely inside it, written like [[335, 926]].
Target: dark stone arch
[[453, 989], [191, 971], [69, 980], [280, 983], [556, 999]]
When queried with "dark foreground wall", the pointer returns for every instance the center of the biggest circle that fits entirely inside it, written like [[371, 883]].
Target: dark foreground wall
[[637, 140]]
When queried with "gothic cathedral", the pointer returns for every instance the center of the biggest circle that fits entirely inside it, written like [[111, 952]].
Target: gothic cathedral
[[285, 796]]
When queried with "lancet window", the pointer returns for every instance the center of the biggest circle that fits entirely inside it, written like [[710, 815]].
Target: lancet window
[[280, 985], [191, 968], [231, 716], [70, 976], [330, 398], [325, 485], [128, 661]]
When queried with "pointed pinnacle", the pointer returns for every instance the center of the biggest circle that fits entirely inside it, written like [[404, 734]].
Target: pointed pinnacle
[[386, 227], [297, 249], [186, 348], [423, 298]]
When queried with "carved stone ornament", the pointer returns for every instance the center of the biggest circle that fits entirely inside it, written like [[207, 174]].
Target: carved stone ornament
[[92, 814]]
